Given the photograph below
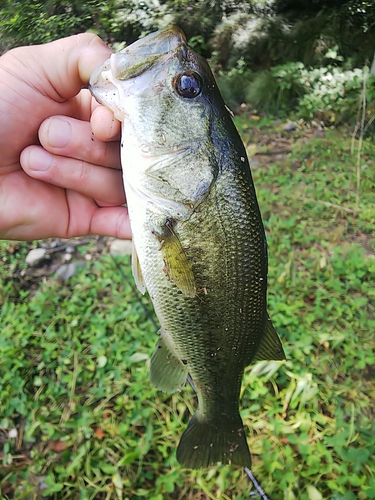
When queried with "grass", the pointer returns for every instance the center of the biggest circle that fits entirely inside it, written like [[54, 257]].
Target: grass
[[74, 355]]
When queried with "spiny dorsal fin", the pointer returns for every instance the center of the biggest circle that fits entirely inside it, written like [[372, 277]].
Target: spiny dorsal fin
[[270, 346], [177, 265]]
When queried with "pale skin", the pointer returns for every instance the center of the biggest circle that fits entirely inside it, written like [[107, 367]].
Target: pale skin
[[60, 173]]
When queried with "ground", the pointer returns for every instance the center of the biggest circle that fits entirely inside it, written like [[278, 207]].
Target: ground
[[78, 416]]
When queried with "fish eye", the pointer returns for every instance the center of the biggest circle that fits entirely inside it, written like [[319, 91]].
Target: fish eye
[[188, 85]]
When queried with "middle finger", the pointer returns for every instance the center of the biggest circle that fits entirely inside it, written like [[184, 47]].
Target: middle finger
[[66, 136]]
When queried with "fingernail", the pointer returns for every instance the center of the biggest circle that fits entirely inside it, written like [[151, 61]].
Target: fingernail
[[40, 159], [59, 132]]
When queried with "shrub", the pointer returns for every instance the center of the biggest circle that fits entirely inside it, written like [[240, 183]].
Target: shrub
[[233, 84], [276, 89], [331, 94]]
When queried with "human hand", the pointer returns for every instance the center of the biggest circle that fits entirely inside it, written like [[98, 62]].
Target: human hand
[[59, 176]]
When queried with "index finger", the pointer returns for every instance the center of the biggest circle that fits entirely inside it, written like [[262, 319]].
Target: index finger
[[104, 125]]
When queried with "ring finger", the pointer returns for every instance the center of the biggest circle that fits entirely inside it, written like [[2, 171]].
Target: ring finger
[[102, 184]]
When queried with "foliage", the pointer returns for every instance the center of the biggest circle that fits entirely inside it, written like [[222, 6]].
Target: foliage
[[276, 55], [199, 18], [275, 90], [329, 22], [116, 21], [74, 356], [264, 33], [31, 21], [334, 95], [330, 94], [270, 36], [233, 84]]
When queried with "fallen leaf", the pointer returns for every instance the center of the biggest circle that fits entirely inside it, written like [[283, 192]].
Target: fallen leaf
[[59, 445], [99, 433]]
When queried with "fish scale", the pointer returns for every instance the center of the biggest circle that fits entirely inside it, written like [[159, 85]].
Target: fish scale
[[200, 247]]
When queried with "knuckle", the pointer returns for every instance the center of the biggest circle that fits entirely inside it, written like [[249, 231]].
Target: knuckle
[[83, 172], [101, 153]]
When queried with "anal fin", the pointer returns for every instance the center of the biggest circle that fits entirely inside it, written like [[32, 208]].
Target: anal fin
[[167, 372]]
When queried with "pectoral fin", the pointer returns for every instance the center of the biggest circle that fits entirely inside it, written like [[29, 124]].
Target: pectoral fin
[[270, 346], [176, 263], [137, 272], [167, 372]]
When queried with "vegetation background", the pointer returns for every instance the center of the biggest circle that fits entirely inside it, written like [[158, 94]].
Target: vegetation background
[[78, 417]]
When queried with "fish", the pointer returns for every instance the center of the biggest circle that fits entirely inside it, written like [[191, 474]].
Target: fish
[[199, 243]]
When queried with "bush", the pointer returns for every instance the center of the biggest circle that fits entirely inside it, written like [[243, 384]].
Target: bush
[[32, 22], [277, 89], [331, 94], [233, 84]]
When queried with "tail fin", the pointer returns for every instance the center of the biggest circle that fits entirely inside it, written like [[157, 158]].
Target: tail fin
[[204, 443]]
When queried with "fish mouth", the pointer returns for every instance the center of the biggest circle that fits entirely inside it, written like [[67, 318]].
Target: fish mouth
[[142, 55], [143, 68]]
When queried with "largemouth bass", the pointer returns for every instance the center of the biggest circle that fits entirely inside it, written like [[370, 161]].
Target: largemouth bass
[[200, 246]]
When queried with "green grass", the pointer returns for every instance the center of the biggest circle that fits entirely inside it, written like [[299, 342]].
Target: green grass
[[74, 356]]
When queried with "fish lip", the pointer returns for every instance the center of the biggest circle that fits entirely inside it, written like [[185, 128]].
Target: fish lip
[[95, 76]]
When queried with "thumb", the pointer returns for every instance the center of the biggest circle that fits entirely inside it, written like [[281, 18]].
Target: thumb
[[71, 61], [40, 81]]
